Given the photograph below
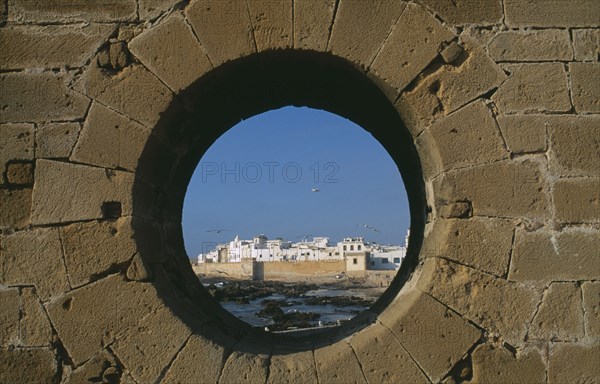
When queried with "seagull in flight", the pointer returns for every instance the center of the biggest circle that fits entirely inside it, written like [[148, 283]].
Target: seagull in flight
[[370, 227], [315, 190], [217, 230]]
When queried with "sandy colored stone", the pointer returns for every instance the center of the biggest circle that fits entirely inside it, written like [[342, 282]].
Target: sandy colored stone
[[542, 257], [16, 143], [436, 343], [138, 270], [16, 205], [560, 316], [171, 52], [497, 365], [587, 44], [415, 40], [524, 133], [28, 366], [577, 200], [66, 192], [110, 140], [456, 210], [451, 53], [482, 299], [591, 308], [19, 173], [360, 28], [245, 367], [312, 23], [34, 257], [71, 10], [585, 91], [573, 363], [56, 140], [38, 97], [575, 144], [501, 189], [536, 45], [9, 316], [293, 368], [93, 369], [35, 326], [557, 13], [460, 12], [271, 24], [51, 46], [152, 9], [337, 363], [534, 88], [223, 27]]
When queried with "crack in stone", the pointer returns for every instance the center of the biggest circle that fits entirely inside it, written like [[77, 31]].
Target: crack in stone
[[166, 369], [335, 9], [359, 363]]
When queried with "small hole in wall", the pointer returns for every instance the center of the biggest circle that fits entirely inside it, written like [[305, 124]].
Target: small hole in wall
[[111, 210]]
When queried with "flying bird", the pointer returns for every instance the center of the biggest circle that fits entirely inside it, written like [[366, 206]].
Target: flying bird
[[315, 190], [217, 230]]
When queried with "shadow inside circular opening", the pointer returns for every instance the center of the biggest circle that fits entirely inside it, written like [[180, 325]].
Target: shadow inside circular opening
[[204, 111]]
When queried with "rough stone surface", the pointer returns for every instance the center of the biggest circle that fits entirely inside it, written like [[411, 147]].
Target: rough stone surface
[[541, 257], [34, 258], [497, 365], [577, 200], [19, 173], [35, 326], [532, 13], [9, 316], [16, 205], [223, 27], [337, 363], [28, 366], [415, 40], [66, 192], [71, 10], [586, 43], [575, 144], [16, 143], [56, 140], [312, 23], [451, 53], [152, 9], [586, 93], [591, 308], [460, 12], [536, 45], [573, 363], [271, 24], [524, 133], [294, 368], [50, 46], [360, 28], [437, 343], [560, 316], [93, 369], [243, 367], [534, 88], [171, 51]]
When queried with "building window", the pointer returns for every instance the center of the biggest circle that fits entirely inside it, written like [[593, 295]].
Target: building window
[[344, 247], [396, 260], [384, 260], [352, 247], [359, 247], [355, 261], [372, 263]]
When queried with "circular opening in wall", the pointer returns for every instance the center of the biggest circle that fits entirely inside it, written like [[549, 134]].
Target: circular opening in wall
[[296, 218]]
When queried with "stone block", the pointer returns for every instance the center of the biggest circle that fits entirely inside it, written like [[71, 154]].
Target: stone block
[[34, 258], [64, 11], [451, 52], [375, 347], [16, 143], [28, 366], [573, 363], [574, 143], [19, 173], [293, 368], [223, 27], [172, 53], [39, 97], [501, 189], [560, 316], [94, 316], [591, 307], [152, 9], [16, 207], [9, 316], [481, 12], [524, 133], [533, 13], [586, 43], [271, 24], [501, 307], [585, 91], [312, 23], [244, 367], [435, 336], [97, 247], [66, 192], [360, 28], [542, 257], [146, 351], [56, 140], [35, 327], [413, 43], [534, 88], [51, 46], [93, 370], [535, 45], [110, 140], [577, 200], [456, 210], [497, 365], [337, 363]]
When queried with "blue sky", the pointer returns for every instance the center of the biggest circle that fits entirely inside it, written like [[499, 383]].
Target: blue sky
[[258, 178]]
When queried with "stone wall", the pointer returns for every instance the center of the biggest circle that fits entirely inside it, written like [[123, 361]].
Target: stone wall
[[490, 108]]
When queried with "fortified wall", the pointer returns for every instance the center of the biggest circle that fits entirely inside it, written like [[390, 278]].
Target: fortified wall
[[490, 109]]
